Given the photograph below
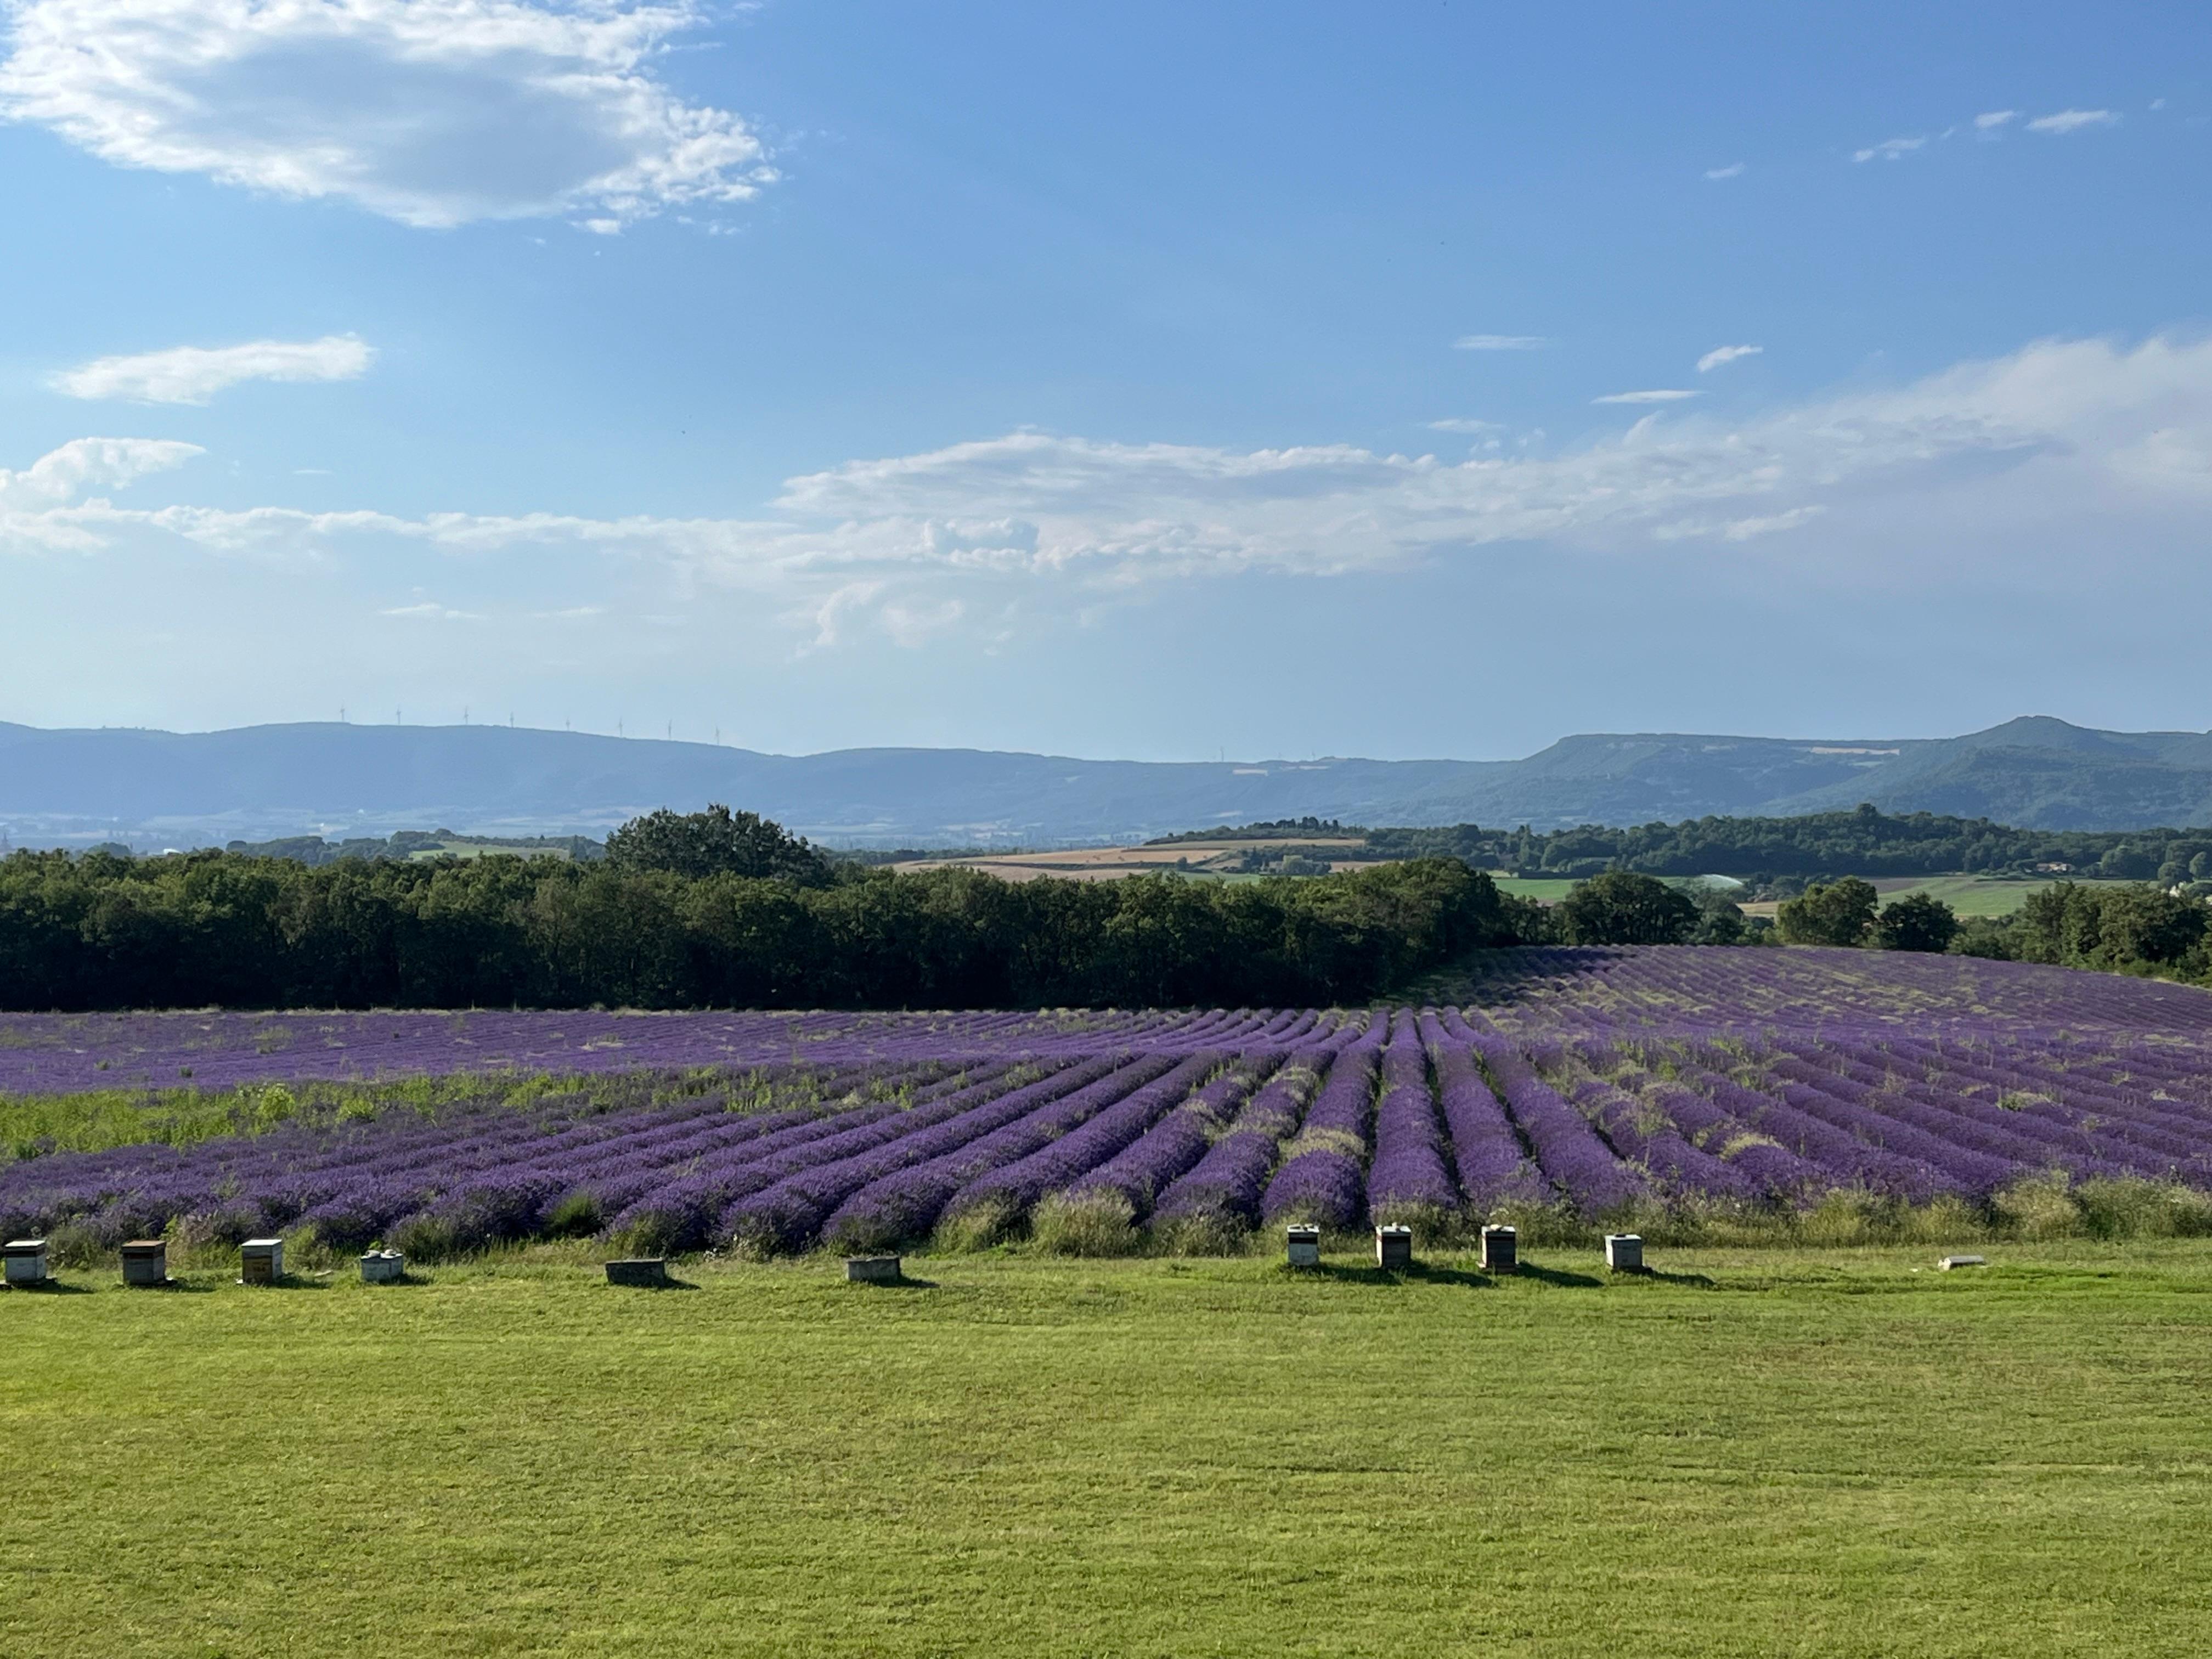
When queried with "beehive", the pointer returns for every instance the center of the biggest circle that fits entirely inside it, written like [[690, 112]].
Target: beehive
[[645, 1272], [26, 1261], [1624, 1252], [1303, 1245], [383, 1267], [873, 1269], [1393, 1247], [146, 1262], [261, 1262], [1501, 1250]]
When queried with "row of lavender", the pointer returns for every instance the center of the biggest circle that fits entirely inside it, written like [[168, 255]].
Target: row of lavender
[[1433, 1115]]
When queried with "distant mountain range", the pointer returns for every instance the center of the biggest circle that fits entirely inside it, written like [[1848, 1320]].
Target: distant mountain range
[[164, 788]]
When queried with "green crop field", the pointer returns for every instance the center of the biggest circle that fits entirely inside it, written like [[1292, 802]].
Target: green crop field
[[1838, 1453]]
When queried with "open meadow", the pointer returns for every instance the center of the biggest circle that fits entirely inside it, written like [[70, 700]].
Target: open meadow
[[1753, 1453]]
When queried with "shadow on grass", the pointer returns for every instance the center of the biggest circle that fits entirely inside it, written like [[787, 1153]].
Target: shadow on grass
[[50, 1287], [173, 1287], [1419, 1273], [288, 1282], [1557, 1276], [1699, 1280], [903, 1282]]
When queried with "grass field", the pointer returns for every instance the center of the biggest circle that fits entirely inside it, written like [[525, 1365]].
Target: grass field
[[1785, 1452]]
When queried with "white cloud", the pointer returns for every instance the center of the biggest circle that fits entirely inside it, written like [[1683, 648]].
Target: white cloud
[[1889, 150], [1662, 396], [429, 610], [1995, 118], [1500, 343], [1734, 170], [1720, 354], [2072, 120], [2060, 450], [1466, 424], [434, 112], [192, 374]]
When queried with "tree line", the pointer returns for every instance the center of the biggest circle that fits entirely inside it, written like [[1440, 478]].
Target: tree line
[[711, 909]]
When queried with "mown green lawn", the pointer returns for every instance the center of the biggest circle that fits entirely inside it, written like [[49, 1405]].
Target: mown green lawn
[[1766, 1454]]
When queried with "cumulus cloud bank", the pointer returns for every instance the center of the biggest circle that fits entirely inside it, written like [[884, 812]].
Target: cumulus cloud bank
[[434, 112], [192, 374], [2055, 450]]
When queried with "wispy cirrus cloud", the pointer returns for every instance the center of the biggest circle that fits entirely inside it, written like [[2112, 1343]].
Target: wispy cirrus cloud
[[1889, 150], [1500, 343], [1734, 170], [1466, 424], [1663, 395], [1991, 120], [433, 112], [1719, 355], [193, 374], [2072, 120]]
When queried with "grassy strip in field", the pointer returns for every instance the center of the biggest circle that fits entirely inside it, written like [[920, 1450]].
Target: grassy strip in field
[[1776, 1453]]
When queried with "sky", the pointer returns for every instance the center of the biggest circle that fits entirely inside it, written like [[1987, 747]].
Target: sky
[[1132, 380]]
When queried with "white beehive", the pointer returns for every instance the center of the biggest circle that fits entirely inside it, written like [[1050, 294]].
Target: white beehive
[[1304, 1245], [1393, 1247], [1624, 1252], [1501, 1250], [26, 1261], [383, 1267], [261, 1262]]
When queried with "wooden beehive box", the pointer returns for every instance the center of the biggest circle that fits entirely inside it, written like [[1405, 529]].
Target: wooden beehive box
[[1501, 1250], [261, 1262], [644, 1272], [1624, 1252], [873, 1269], [26, 1261], [146, 1262], [1393, 1247], [1302, 1246], [383, 1267]]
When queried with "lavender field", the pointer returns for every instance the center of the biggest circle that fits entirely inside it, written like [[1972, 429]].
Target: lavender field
[[1689, 1092]]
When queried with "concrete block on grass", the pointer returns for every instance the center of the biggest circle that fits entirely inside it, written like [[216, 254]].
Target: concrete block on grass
[[873, 1269], [644, 1272]]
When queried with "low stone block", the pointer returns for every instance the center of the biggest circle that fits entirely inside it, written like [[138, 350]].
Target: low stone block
[[873, 1269], [383, 1267], [145, 1262], [25, 1260], [1303, 1245], [1501, 1250], [644, 1272], [1951, 1262], [1624, 1252], [1393, 1247]]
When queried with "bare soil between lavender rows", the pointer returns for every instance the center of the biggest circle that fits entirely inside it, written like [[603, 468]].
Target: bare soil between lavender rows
[[1746, 1452]]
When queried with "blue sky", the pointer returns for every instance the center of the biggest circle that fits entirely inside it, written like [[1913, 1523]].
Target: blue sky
[[1149, 381]]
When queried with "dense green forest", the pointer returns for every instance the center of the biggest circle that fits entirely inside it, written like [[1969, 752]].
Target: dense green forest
[[1862, 842], [221, 928]]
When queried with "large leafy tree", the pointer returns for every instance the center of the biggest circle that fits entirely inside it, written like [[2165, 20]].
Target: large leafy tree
[[1918, 921], [715, 843], [1622, 907], [1829, 913]]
